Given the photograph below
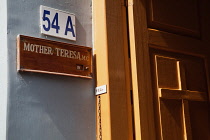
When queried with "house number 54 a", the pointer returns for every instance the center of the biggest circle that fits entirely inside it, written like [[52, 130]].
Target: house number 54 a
[[57, 23]]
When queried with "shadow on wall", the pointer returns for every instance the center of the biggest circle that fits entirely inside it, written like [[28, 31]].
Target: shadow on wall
[[52, 107]]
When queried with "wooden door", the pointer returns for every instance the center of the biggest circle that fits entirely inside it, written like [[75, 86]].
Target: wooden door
[[170, 61]]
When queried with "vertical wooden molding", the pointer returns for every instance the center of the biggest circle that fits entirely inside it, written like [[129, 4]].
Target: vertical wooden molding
[[141, 76], [128, 76], [101, 61], [133, 71], [110, 55]]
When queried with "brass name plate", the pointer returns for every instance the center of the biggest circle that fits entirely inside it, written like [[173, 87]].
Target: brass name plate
[[45, 56]]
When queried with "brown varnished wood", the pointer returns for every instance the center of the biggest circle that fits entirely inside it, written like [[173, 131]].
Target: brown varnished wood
[[185, 39], [111, 52], [176, 43], [187, 123], [199, 118], [180, 17], [147, 102], [193, 86], [118, 86], [183, 94], [171, 119], [141, 76], [45, 56], [167, 66], [195, 74]]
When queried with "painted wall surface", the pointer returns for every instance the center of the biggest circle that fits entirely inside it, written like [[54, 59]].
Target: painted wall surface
[[4, 70], [43, 106]]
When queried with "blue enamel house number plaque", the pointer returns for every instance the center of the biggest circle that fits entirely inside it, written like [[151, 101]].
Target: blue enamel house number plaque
[[57, 23]]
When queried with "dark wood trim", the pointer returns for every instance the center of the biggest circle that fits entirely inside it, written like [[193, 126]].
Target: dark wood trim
[[52, 57], [143, 74]]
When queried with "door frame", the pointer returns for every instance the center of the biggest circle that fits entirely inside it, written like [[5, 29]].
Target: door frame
[[110, 47], [117, 123], [112, 69]]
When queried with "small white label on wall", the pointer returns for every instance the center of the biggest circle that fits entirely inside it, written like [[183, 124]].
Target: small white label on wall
[[101, 90], [57, 23]]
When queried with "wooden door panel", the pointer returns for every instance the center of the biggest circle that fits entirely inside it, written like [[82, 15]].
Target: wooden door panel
[[168, 76], [174, 36], [171, 66], [176, 16], [195, 74], [199, 118], [171, 119], [180, 94], [176, 43]]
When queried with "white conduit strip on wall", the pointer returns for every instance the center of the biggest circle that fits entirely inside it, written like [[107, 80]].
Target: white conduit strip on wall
[[4, 70]]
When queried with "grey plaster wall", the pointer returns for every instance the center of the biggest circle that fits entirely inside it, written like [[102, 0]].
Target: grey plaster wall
[[43, 106]]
